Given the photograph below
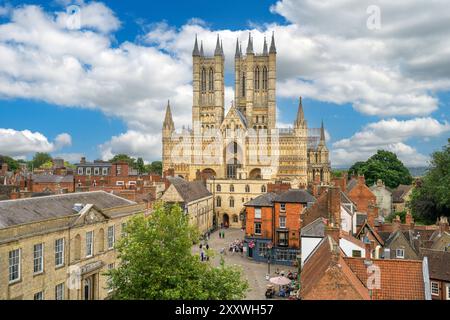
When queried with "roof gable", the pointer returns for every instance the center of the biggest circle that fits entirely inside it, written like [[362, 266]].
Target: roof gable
[[396, 284]]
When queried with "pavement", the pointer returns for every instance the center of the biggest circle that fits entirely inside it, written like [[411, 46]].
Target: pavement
[[254, 272]]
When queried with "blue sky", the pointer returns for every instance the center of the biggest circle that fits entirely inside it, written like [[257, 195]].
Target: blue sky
[[104, 85]]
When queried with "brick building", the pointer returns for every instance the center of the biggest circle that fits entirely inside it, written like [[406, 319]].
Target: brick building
[[439, 262], [273, 225]]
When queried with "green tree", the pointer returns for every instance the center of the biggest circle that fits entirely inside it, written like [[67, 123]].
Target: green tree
[[157, 263], [140, 166], [385, 166], [124, 158], [13, 165], [40, 158], [431, 198], [47, 165], [155, 167]]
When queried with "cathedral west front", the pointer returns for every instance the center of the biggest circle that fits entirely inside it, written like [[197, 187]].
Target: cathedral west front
[[243, 143]]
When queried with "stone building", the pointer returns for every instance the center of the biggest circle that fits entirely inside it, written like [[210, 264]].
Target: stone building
[[244, 143], [194, 198], [230, 198], [384, 198], [59, 247]]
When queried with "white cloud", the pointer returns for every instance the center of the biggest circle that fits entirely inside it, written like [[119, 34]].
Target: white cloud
[[20, 144], [325, 52], [135, 144], [389, 135], [70, 157]]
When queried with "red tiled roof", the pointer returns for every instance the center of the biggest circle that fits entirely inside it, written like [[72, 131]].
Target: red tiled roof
[[400, 279], [321, 262]]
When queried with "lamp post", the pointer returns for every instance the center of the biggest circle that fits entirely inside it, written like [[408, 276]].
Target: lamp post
[[269, 255]]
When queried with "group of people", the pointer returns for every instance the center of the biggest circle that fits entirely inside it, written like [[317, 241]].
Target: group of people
[[236, 246], [204, 252]]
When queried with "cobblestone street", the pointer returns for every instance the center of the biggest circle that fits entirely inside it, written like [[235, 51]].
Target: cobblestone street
[[254, 272]]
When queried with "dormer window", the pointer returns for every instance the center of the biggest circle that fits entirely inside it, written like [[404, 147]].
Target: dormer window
[[400, 253], [80, 171]]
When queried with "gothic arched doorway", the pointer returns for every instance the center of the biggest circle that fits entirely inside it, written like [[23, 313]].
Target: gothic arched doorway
[[226, 220]]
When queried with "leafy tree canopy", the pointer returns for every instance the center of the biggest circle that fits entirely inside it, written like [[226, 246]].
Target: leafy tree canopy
[[155, 167], [385, 166], [431, 198], [13, 165], [158, 264], [40, 158]]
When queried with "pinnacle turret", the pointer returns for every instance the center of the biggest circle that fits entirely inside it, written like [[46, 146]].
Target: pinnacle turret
[[218, 51], [300, 122], [202, 54], [265, 51], [195, 52], [168, 120], [250, 44], [273, 48], [238, 50]]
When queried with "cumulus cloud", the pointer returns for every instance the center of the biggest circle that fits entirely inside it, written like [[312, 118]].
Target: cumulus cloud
[[135, 144], [325, 52], [389, 135], [20, 144]]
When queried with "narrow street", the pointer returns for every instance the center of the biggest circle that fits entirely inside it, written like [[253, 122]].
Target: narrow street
[[254, 272]]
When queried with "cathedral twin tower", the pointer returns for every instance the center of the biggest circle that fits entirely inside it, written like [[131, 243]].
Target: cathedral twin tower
[[254, 108]]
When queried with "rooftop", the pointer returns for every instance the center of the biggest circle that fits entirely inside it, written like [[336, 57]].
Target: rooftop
[[295, 196], [23, 211], [190, 191]]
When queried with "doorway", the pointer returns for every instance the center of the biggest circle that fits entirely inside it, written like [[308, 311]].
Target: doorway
[[226, 220], [88, 289]]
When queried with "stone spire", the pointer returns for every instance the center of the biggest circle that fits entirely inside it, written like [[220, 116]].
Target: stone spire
[[273, 48], [250, 44], [300, 122], [202, 54], [238, 50], [265, 52], [168, 120], [322, 135], [221, 48], [195, 52], [217, 52]]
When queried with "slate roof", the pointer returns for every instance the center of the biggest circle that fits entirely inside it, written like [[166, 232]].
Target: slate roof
[[360, 218], [400, 279], [23, 211], [47, 178], [399, 193], [295, 196], [315, 229], [265, 200], [439, 264], [190, 191]]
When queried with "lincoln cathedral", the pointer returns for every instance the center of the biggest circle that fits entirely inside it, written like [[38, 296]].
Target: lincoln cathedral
[[243, 143]]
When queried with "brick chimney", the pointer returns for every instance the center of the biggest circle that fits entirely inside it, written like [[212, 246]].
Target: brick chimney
[[443, 225], [396, 224], [368, 249], [361, 180], [409, 220], [334, 205], [4, 168], [372, 215], [334, 233]]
